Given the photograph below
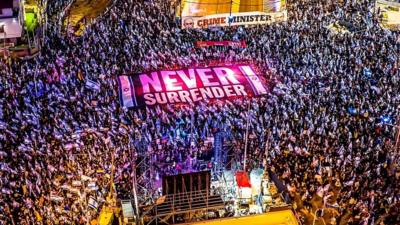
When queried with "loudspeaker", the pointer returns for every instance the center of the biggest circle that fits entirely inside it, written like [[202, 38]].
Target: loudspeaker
[[188, 182]]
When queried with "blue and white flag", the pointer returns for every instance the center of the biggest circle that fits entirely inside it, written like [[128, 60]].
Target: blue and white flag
[[92, 85]]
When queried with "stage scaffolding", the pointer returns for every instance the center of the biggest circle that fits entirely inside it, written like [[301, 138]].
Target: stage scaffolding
[[190, 205], [184, 207], [145, 186]]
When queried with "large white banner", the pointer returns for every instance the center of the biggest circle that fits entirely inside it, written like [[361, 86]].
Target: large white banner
[[233, 19]]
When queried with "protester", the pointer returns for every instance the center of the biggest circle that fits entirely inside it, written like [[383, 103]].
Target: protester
[[320, 125]]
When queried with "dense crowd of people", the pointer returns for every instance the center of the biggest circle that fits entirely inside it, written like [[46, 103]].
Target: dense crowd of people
[[324, 123]]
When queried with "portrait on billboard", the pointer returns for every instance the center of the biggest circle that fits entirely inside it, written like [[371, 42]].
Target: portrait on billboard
[[188, 23]]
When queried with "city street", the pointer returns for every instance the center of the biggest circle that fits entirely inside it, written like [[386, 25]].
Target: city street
[[82, 10]]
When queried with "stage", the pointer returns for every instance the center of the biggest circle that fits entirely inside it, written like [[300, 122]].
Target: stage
[[284, 217], [227, 197]]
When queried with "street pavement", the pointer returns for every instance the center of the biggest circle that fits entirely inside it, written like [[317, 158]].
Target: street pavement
[[83, 11]]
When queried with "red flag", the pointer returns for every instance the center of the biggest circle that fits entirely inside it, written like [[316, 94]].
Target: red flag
[[242, 179]]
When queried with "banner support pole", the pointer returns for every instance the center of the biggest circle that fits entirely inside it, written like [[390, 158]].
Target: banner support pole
[[246, 136]]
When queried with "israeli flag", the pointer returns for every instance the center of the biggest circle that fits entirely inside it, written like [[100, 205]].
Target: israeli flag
[[92, 85]]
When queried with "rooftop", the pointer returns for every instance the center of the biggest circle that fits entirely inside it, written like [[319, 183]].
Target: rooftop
[[4, 4]]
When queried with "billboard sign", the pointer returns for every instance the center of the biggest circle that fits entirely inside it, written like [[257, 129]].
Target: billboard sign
[[232, 19]]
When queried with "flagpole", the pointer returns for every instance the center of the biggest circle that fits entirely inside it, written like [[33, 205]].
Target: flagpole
[[191, 130], [397, 139], [34, 79], [398, 133], [112, 171], [246, 136]]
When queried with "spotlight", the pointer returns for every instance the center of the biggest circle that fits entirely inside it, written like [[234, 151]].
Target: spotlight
[[385, 119], [352, 110], [367, 72]]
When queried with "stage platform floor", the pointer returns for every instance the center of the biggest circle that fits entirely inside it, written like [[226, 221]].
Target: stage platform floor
[[284, 217]]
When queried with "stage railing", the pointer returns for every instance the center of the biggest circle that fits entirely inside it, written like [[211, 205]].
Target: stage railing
[[186, 203]]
